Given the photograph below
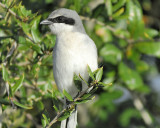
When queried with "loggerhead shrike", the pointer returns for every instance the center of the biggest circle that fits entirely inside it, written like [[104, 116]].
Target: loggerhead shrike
[[73, 51]]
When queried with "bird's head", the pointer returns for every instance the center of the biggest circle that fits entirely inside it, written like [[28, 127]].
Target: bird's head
[[64, 20]]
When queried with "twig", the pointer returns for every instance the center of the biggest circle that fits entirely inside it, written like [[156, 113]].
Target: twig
[[71, 106], [17, 17], [10, 11], [11, 51], [99, 22], [103, 24], [140, 107], [130, 41], [7, 90], [56, 118]]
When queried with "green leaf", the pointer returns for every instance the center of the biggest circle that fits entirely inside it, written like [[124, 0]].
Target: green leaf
[[24, 12], [90, 72], [95, 72], [40, 106], [111, 95], [4, 73], [77, 82], [135, 19], [67, 95], [48, 2], [43, 122], [93, 90], [149, 48], [45, 118], [77, 5], [144, 89], [34, 29], [109, 7], [35, 71], [10, 91], [98, 10], [30, 44], [133, 54], [85, 96], [130, 77], [99, 74], [65, 115], [118, 5], [142, 66], [104, 84], [21, 105], [55, 108], [83, 79], [33, 46], [126, 116], [111, 54], [118, 13], [122, 33], [150, 33], [102, 114], [106, 99], [84, 101], [18, 84], [25, 27], [109, 77]]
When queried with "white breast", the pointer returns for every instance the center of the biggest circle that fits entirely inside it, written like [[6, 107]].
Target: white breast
[[72, 53]]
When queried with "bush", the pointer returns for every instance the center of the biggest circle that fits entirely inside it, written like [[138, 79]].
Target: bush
[[129, 51]]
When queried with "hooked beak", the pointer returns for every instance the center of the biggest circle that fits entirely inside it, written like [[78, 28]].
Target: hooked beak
[[46, 22]]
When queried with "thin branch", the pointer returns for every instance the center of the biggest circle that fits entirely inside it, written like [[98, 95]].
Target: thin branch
[[8, 93], [10, 11], [103, 24], [30, 38], [140, 107], [34, 87], [56, 118], [130, 41], [71, 105], [11, 51], [17, 17]]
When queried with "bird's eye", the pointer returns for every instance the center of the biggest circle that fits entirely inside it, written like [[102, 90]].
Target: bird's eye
[[60, 19]]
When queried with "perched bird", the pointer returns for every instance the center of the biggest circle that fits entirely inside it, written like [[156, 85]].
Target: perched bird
[[73, 51]]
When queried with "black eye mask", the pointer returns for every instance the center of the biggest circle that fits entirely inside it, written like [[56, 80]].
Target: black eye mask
[[62, 19]]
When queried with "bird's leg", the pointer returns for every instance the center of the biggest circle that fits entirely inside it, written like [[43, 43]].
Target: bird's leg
[[68, 103]]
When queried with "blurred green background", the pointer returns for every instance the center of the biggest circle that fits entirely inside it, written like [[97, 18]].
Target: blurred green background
[[126, 33]]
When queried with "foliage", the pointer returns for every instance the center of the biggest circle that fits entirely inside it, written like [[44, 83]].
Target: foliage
[[129, 51]]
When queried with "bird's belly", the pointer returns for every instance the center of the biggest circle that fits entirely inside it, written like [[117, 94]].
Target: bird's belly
[[64, 67], [71, 57]]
